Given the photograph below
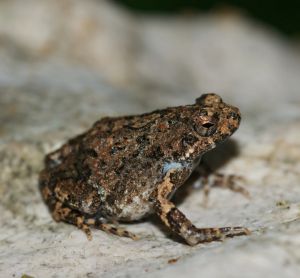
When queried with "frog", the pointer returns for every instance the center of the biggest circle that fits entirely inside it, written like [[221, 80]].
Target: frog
[[126, 168]]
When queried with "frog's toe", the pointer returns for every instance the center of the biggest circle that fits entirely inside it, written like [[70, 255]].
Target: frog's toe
[[110, 228]]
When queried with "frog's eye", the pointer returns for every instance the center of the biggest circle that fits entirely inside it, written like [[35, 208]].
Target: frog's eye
[[207, 128], [208, 125]]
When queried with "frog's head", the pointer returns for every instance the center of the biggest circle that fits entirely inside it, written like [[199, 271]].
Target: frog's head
[[211, 122]]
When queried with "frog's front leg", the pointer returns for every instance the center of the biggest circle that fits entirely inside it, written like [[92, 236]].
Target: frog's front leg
[[179, 224], [210, 179]]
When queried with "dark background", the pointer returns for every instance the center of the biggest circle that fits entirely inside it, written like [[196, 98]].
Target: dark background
[[282, 15]]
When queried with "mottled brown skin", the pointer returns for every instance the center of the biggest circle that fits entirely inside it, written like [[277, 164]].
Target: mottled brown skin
[[125, 168]]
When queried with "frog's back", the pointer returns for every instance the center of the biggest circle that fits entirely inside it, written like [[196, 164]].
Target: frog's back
[[126, 162], [109, 170], [115, 166]]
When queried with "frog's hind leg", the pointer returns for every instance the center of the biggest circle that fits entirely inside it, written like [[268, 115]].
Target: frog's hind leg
[[110, 228], [179, 224], [61, 212], [66, 214], [84, 222]]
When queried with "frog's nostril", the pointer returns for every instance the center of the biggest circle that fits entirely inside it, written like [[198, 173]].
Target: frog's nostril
[[234, 116]]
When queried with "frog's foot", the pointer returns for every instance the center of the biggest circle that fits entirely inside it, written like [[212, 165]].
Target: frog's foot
[[202, 235], [183, 227], [111, 228], [180, 225], [231, 182]]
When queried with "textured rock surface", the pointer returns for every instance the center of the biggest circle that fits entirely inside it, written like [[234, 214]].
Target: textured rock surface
[[54, 84]]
